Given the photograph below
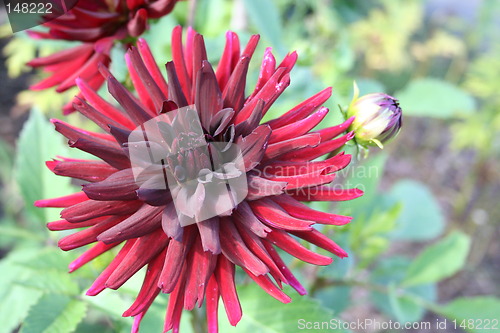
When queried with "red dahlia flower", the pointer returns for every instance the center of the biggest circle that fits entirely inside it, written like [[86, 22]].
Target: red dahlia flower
[[97, 24], [195, 263]]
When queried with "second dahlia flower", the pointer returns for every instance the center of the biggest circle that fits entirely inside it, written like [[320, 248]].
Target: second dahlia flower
[[188, 255], [97, 24]]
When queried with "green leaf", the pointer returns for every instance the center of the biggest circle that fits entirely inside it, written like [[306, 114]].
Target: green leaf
[[264, 314], [51, 281], [265, 15], [431, 97], [365, 176], [54, 314], [405, 304], [440, 260], [15, 306], [18, 52], [479, 309], [39, 142], [421, 217]]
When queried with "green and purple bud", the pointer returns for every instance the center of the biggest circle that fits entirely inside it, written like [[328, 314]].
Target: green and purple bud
[[378, 118]]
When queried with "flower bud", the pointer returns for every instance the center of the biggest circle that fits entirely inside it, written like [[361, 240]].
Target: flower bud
[[378, 118]]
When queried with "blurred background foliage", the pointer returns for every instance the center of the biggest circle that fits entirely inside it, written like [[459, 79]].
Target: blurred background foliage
[[422, 246]]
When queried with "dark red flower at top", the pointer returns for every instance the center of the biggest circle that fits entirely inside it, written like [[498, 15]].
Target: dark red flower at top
[[90, 21], [96, 23], [192, 233]]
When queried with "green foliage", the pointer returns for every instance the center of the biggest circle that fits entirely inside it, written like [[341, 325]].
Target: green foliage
[[439, 261], [421, 217], [404, 304], [435, 98], [266, 18], [264, 314], [480, 310], [54, 313], [38, 142]]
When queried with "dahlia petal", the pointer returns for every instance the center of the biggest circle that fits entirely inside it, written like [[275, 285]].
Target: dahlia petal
[[234, 249], [139, 86], [331, 132], [251, 46], [234, 92], [149, 289], [199, 55], [325, 193], [81, 52], [301, 211], [293, 168], [273, 88], [87, 236], [65, 225], [147, 80], [305, 180], [102, 120], [220, 121], [310, 153], [170, 222], [138, 23], [212, 305], [94, 17], [160, 8], [299, 127], [289, 61], [99, 283], [145, 248], [200, 267], [266, 94], [288, 244], [290, 146], [90, 66], [152, 66], [267, 69], [178, 58], [248, 125], [174, 308], [92, 253], [174, 260], [73, 133], [144, 221], [259, 187], [228, 59], [208, 98], [103, 106], [290, 278], [174, 86], [92, 171], [82, 34], [129, 103], [209, 233], [90, 209], [121, 185], [269, 287], [121, 135], [245, 216], [62, 202], [255, 245], [224, 273], [317, 238], [113, 156], [253, 146], [273, 215], [302, 110]]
